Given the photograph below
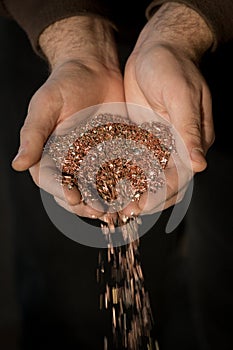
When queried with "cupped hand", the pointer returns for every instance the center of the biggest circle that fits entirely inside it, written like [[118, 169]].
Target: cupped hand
[[71, 87], [83, 60], [165, 78]]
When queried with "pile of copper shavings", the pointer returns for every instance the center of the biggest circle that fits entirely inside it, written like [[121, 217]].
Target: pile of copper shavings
[[162, 132], [103, 133], [58, 144], [114, 170], [120, 158], [70, 150], [124, 293], [113, 140]]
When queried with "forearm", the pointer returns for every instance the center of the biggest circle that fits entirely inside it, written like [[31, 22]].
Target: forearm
[[218, 14], [86, 38], [180, 27]]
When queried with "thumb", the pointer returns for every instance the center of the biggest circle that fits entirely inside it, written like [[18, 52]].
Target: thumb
[[38, 125], [32, 139], [186, 118]]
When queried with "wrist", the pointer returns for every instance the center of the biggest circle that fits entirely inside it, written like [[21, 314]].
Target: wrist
[[84, 38], [179, 27]]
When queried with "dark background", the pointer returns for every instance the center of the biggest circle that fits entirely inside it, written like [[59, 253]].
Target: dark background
[[48, 291]]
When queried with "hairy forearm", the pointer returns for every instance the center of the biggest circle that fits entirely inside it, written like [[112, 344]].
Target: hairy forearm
[[86, 38], [178, 25]]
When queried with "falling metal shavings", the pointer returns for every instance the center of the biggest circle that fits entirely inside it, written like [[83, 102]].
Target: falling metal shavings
[[119, 270], [101, 157]]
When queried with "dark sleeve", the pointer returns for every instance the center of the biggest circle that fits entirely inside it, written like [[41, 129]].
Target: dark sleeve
[[35, 15], [218, 14]]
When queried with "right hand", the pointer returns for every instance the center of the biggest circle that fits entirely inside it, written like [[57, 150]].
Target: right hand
[[73, 85]]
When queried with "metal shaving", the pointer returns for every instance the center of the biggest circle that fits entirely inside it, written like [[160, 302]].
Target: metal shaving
[[101, 156], [107, 149], [124, 293]]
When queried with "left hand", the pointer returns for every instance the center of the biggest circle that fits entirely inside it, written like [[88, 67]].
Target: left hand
[[164, 77]]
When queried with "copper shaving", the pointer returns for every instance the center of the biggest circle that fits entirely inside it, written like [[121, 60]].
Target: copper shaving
[[124, 293], [103, 156]]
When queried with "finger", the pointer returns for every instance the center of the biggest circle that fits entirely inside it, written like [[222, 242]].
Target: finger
[[132, 209], [30, 149], [64, 204], [176, 181], [155, 200], [208, 134], [46, 175], [80, 209], [155, 205], [175, 198], [38, 125], [185, 114]]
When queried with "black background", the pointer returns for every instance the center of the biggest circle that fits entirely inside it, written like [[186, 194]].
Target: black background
[[48, 291]]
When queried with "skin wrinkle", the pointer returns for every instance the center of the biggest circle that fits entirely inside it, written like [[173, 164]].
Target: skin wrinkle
[[64, 42], [183, 28]]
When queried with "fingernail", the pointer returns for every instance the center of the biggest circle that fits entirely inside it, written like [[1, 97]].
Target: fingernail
[[197, 155], [21, 151]]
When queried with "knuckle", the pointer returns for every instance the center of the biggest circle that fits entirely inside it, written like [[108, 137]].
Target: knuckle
[[22, 130], [25, 128], [193, 129], [212, 140], [209, 143]]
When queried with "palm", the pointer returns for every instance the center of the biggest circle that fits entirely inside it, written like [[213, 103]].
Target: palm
[[73, 87], [68, 90], [174, 88]]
